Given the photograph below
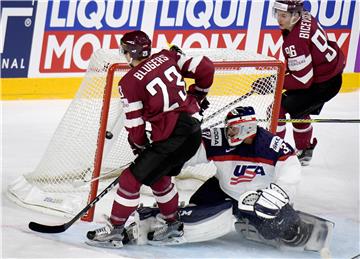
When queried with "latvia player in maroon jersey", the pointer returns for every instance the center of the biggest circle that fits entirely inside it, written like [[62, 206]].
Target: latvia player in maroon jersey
[[314, 71], [162, 130]]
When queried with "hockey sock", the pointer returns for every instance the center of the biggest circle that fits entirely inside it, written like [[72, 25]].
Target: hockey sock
[[302, 134], [167, 198], [126, 199], [281, 127]]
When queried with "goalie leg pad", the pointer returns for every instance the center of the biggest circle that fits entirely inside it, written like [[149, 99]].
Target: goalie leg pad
[[201, 223]]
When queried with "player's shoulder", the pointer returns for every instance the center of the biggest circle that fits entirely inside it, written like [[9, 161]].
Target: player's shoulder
[[127, 80], [301, 33], [165, 53], [269, 141]]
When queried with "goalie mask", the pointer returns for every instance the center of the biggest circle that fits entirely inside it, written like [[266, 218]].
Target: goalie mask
[[137, 44], [240, 124]]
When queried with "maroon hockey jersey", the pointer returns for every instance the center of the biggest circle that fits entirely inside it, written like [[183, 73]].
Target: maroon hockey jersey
[[311, 57], [153, 93]]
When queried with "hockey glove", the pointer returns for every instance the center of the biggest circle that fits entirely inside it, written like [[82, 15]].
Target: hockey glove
[[203, 106], [136, 149], [197, 92], [177, 49], [270, 202], [264, 85]]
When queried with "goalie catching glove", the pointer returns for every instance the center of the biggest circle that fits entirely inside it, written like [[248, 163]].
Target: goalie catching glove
[[266, 203]]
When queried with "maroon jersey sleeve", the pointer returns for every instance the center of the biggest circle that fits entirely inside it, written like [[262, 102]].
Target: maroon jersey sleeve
[[200, 68], [133, 106], [310, 56]]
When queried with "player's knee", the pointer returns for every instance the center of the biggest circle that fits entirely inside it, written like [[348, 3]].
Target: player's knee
[[128, 182], [162, 184]]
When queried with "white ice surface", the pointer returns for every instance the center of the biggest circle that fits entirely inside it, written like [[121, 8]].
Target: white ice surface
[[330, 189]]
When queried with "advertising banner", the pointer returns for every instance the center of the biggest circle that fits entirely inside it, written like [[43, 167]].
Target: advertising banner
[[59, 36], [17, 27]]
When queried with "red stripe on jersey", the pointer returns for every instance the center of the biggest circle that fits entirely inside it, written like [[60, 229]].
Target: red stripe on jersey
[[240, 181], [283, 158], [241, 158]]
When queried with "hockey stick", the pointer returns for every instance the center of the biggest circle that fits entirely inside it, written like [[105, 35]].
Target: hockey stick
[[226, 107], [107, 175], [320, 120], [61, 228]]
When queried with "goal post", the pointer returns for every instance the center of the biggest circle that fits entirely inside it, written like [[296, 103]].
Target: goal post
[[91, 141]]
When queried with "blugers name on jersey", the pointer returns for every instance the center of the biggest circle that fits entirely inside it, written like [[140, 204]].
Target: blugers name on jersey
[[245, 167], [153, 93], [311, 57]]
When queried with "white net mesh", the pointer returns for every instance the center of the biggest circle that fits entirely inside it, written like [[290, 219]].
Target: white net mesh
[[69, 158]]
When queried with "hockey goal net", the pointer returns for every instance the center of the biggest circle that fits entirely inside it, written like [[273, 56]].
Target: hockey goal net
[[90, 141]]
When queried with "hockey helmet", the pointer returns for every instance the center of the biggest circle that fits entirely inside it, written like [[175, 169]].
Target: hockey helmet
[[137, 44], [240, 124], [291, 6]]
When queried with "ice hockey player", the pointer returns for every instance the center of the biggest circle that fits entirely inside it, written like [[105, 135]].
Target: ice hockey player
[[256, 177], [314, 71], [259, 172], [161, 131]]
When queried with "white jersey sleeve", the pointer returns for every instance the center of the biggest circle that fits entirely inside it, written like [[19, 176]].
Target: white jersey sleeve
[[198, 158], [288, 175]]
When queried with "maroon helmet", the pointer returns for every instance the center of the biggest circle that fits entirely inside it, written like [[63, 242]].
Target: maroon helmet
[[137, 44], [291, 6]]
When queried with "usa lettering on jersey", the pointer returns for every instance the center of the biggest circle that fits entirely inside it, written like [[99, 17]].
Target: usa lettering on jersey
[[246, 173]]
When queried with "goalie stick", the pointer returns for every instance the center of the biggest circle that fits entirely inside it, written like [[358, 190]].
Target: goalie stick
[[61, 228], [319, 120]]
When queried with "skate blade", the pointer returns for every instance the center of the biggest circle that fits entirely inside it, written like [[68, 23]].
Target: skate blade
[[168, 242], [321, 234], [105, 244], [305, 163]]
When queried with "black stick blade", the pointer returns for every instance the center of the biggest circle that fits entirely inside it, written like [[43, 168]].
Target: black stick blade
[[47, 229]]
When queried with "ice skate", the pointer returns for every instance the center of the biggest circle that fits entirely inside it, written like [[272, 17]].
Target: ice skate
[[166, 233], [305, 155], [109, 236]]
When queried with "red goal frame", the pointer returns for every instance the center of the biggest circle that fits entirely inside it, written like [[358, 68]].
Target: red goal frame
[[106, 105]]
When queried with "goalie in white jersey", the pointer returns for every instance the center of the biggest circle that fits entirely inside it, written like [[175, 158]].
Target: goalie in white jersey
[[257, 177], [247, 158], [259, 172]]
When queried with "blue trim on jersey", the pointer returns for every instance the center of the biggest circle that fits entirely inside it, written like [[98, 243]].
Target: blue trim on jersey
[[262, 150]]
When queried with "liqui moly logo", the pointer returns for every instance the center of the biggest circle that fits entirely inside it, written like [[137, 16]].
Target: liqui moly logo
[[68, 32], [75, 29], [202, 24]]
